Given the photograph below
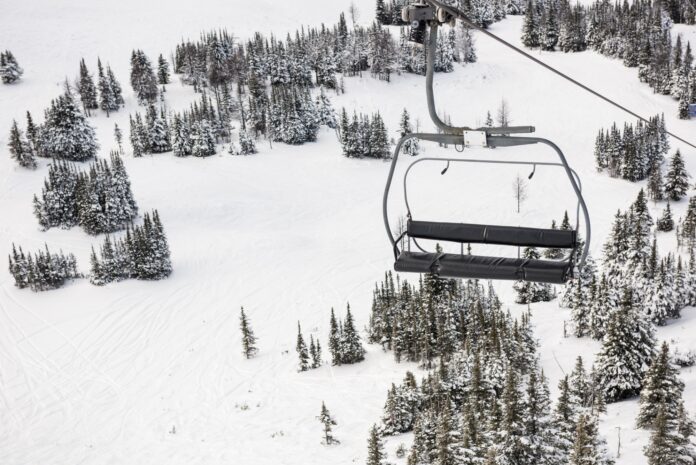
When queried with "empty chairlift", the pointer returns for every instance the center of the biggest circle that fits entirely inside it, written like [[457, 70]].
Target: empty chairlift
[[461, 265]]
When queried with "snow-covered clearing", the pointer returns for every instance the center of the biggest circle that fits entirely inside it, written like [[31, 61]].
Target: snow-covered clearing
[[144, 372]]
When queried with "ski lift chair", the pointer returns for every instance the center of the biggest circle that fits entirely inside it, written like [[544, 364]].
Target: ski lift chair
[[461, 265]]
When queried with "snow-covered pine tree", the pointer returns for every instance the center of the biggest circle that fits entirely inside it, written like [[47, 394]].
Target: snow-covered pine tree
[[335, 343], [87, 89], [328, 423], [118, 136], [677, 179], [203, 139], [65, 133], [667, 446], [512, 441], [247, 144], [325, 111], [530, 29], [588, 447], [530, 292], [162, 70], [351, 345], [249, 348], [662, 390], [157, 131], [375, 448], [666, 222], [627, 350], [116, 90], [10, 71], [143, 79], [20, 148], [301, 349], [411, 146]]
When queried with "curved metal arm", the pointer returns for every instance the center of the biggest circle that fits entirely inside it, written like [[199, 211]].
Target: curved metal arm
[[429, 71]]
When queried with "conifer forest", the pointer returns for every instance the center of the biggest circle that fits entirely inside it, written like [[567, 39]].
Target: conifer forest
[[273, 233]]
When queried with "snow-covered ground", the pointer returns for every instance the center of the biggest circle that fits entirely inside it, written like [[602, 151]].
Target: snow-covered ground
[[145, 372]]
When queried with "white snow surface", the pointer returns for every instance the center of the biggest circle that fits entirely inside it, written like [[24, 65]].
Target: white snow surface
[[151, 372]]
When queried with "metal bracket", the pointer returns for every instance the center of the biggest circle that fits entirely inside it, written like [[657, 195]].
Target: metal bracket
[[418, 12], [475, 139]]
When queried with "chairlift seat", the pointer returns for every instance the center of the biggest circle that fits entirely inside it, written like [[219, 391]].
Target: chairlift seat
[[491, 234], [480, 267]]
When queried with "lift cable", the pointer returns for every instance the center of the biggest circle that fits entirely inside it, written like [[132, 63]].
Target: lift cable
[[456, 13]]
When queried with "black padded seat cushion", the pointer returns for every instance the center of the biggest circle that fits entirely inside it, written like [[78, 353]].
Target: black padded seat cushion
[[485, 234], [480, 267]]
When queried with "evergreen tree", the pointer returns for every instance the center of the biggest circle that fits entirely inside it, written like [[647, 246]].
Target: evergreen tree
[[162, 70], [247, 144], [301, 349], [666, 447], [66, 134], [627, 351], [375, 448], [20, 149], [328, 422], [530, 30], [87, 89], [665, 223], [10, 71], [588, 448], [248, 338], [118, 135], [352, 350], [677, 179], [662, 390], [411, 146], [335, 344], [143, 78]]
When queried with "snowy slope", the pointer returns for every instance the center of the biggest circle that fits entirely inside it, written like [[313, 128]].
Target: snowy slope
[[152, 372]]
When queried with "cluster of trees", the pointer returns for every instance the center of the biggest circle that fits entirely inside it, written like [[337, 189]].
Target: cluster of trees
[[487, 399], [345, 344], [660, 287], [555, 23], [309, 358], [364, 136], [639, 33], [98, 199], [143, 253], [439, 317], [64, 135], [105, 94], [43, 270], [634, 152], [10, 71], [21, 150]]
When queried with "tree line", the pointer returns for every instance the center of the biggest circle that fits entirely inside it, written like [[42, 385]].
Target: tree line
[[638, 33]]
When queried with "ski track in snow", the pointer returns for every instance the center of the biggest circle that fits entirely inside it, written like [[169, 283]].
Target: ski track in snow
[[102, 375]]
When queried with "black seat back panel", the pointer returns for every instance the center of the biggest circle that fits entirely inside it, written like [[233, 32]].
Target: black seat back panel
[[487, 234], [480, 267]]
